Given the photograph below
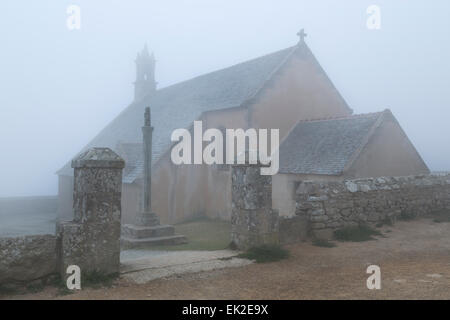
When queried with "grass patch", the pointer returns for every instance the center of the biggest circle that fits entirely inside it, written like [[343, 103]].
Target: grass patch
[[97, 279], [265, 253], [6, 291], [59, 284], [356, 233], [63, 291], [441, 216], [385, 222], [441, 219], [35, 287], [202, 234], [407, 216], [323, 243]]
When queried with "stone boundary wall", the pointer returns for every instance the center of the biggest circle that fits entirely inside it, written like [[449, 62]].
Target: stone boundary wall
[[328, 206], [91, 241], [27, 258]]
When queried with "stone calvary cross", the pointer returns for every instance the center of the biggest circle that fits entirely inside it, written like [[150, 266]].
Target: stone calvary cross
[[147, 131], [147, 230]]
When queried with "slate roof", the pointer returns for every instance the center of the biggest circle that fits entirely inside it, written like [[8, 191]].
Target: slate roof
[[133, 155], [326, 146], [177, 106]]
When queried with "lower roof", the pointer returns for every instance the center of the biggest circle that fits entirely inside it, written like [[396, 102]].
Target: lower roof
[[327, 146]]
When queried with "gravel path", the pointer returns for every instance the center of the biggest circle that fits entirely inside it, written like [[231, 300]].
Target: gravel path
[[414, 258]]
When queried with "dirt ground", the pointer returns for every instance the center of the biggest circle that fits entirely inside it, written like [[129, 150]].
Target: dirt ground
[[414, 258]]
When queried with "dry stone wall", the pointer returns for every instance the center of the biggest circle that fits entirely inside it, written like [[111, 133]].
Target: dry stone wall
[[26, 259], [331, 205], [91, 241]]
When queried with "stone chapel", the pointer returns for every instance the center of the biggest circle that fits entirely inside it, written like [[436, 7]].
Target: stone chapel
[[320, 137]]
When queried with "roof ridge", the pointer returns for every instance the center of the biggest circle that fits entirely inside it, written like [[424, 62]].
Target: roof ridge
[[352, 116], [219, 70]]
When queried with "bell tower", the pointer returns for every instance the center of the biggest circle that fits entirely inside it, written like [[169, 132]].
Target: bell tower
[[145, 74]]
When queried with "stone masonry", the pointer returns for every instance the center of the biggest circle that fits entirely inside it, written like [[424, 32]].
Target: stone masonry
[[92, 240], [27, 259], [331, 205], [253, 221]]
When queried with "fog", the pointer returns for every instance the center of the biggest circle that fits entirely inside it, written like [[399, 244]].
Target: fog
[[59, 87]]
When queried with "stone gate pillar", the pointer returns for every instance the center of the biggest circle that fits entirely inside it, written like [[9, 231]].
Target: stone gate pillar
[[253, 221], [92, 240]]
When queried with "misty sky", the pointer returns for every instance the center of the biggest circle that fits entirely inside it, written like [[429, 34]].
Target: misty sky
[[60, 87]]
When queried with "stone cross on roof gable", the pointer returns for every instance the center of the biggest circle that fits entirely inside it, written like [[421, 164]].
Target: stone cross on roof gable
[[302, 35]]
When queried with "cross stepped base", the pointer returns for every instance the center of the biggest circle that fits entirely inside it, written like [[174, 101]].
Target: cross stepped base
[[149, 232]]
